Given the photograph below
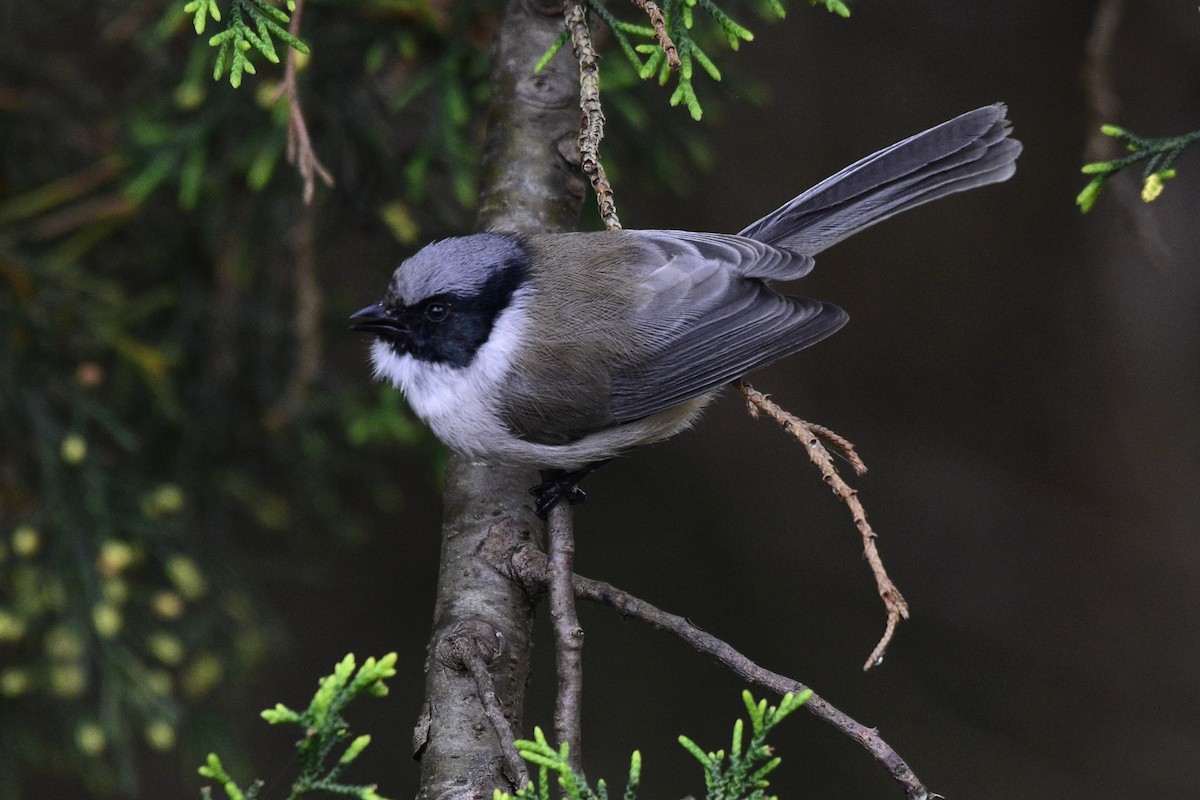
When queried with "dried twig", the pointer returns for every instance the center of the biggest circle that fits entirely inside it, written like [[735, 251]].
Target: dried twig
[[306, 323], [591, 130], [809, 435], [300, 152], [841, 442], [526, 564], [660, 31], [568, 635]]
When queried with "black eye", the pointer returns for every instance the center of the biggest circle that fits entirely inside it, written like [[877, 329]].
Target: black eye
[[437, 312]]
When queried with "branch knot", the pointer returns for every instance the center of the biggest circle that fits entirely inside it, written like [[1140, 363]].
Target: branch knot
[[467, 641]]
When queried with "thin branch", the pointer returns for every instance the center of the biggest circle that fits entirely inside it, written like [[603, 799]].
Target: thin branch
[[306, 323], [475, 664], [526, 564], [568, 635], [591, 130], [843, 444], [893, 601], [300, 151], [660, 31]]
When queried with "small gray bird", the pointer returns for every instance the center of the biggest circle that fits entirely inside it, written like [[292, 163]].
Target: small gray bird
[[561, 351]]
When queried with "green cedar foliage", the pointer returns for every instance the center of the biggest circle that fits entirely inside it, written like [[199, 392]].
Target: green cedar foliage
[[325, 733], [648, 58], [1159, 154], [740, 774]]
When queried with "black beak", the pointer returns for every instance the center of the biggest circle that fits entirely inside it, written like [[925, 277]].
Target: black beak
[[378, 320]]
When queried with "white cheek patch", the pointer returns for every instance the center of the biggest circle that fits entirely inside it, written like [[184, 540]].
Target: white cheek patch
[[458, 402], [385, 362], [429, 388]]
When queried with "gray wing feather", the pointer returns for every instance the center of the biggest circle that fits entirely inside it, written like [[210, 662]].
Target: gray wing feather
[[965, 152], [711, 318]]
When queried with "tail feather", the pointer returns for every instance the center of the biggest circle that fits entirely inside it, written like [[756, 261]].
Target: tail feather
[[965, 152]]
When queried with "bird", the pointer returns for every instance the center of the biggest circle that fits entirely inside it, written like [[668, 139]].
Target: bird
[[561, 351]]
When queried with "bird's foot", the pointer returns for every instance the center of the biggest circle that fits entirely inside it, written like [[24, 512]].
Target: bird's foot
[[558, 486]]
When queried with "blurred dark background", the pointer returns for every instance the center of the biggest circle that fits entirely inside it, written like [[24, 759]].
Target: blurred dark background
[[1022, 380]]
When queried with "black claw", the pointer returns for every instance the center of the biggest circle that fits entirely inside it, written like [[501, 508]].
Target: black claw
[[559, 485]]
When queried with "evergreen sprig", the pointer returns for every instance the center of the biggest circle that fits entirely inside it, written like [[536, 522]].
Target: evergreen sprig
[[1161, 155], [251, 25], [325, 729], [649, 59], [573, 784], [744, 777]]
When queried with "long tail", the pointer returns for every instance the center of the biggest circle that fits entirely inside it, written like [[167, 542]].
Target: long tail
[[968, 151]]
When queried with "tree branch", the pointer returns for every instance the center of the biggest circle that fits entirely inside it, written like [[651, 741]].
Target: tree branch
[[568, 635], [509, 555], [530, 182]]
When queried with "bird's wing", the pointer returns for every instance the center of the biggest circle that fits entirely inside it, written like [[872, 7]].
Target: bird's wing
[[706, 316]]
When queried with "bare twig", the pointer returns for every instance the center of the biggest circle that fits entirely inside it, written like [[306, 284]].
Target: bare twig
[[473, 645], [591, 130], [660, 31], [526, 564], [809, 436], [842, 443], [568, 635], [306, 323], [300, 151]]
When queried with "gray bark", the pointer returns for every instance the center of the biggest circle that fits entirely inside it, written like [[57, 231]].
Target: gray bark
[[530, 182]]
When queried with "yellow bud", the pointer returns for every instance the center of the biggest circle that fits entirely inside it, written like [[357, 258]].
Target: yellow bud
[[202, 675], [14, 682], [90, 738], [168, 498], [114, 557], [68, 680], [167, 605], [186, 576], [26, 540], [269, 93], [166, 648], [1152, 188], [106, 619], [160, 735], [189, 95], [73, 449], [12, 627]]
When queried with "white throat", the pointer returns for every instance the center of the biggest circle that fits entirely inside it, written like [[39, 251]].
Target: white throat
[[458, 403]]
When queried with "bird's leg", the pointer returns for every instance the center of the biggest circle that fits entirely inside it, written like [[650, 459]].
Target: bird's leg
[[558, 485]]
